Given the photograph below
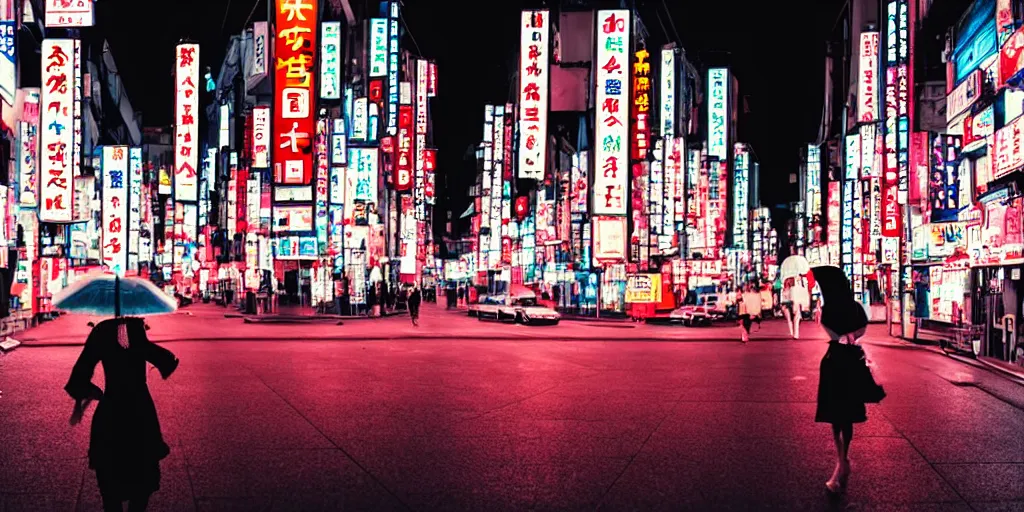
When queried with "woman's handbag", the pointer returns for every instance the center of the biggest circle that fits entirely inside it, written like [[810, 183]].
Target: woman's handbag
[[870, 392]]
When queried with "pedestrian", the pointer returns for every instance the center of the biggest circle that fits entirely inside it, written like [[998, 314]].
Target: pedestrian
[[748, 308], [415, 298], [125, 444], [371, 302], [845, 382]]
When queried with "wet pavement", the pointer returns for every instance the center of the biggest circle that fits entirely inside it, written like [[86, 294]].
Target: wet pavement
[[496, 423]]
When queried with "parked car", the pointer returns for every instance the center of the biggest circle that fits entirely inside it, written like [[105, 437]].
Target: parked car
[[704, 311], [521, 307], [487, 306]]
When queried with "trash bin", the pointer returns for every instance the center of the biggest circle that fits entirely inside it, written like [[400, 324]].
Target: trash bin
[[250, 303]]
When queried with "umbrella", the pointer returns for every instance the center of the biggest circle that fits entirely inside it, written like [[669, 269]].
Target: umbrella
[[106, 294], [841, 313], [794, 266]]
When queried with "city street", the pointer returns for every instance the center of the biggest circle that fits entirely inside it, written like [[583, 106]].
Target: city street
[[495, 423]]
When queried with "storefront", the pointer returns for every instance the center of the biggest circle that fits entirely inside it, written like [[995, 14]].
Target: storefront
[[996, 255]]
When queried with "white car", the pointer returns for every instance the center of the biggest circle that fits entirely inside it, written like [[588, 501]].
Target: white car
[[525, 310], [487, 307]]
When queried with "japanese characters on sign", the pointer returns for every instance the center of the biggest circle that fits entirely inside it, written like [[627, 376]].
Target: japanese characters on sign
[[533, 93], [114, 213], [867, 88], [718, 112], [964, 96], [944, 183], [668, 93], [56, 195], [322, 182], [641, 103], [421, 137], [852, 156], [432, 80], [404, 160], [186, 121], [813, 182], [740, 201], [330, 64], [259, 50], [28, 151], [429, 168], [134, 205], [295, 55], [69, 13], [361, 182], [261, 137], [868, 167], [1009, 153], [76, 123], [378, 47], [393, 39], [891, 218], [611, 152], [339, 145], [903, 102], [8, 61]]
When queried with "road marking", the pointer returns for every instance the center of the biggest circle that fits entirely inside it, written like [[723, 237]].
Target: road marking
[[799, 377]]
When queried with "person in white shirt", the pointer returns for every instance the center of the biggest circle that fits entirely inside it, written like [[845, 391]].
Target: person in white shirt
[[795, 300]]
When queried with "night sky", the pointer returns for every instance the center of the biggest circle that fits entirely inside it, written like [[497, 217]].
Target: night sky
[[776, 52]]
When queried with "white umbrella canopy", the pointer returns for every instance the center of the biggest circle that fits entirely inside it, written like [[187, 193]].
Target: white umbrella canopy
[[106, 294], [794, 266]]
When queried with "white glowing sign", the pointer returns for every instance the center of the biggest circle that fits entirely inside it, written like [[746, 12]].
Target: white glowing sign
[[533, 93], [419, 193], [69, 13], [186, 121], [330, 60], [28, 146], [114, 214], [378, 47], [668, 94], [611, 152], [740, 201], [853, 156], [56, 170], [867, 83], [261, 137], [718, 113], [868, 166], [393, 39], [134, 205], [813, 198]]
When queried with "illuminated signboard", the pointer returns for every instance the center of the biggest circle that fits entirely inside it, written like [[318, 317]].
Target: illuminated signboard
[[261, 137], [361, 178], [429, 168], [668, 93], [404, 151], [718, 113], [852, 156], [378, 47], [813, 198], [846, 240], [867, 84], [944, 185], [56, 197], [323, 178], [421, 138], [28, 150], [641, 103], [393, 38], [69, 14], [611, 152], [740, 201], [295, 56], [134, 204], [892, 220], [8, 61], [868, 166], [259, 54], [330, 63], [976, 38], [533, 94], [114, 214], [76, 123], [978, 128], [186, 122], [963, 96]]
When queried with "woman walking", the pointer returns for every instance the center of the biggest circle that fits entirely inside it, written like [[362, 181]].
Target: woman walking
[[749, 309], [415, 298], [125, 445], [845, 383]]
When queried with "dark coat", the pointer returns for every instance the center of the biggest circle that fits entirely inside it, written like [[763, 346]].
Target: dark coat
[[415, 298], [840, 375], [126, 444]]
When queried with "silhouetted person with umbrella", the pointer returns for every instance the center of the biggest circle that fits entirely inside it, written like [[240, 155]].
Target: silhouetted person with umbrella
[[126, 445], [845, 383]]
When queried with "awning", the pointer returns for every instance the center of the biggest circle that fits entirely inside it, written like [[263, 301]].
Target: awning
[[471, 211]]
